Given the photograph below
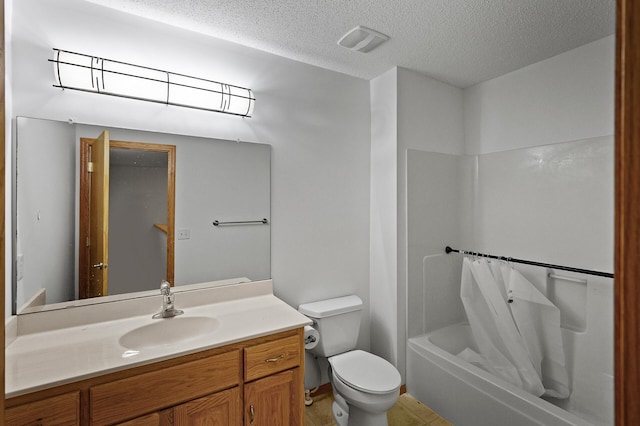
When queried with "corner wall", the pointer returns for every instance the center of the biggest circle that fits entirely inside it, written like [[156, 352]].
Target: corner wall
[[564, 98], [430, 118], [410, 111], [384, 217], [564, 106]]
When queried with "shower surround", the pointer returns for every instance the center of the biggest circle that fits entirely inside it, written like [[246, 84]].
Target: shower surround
[[550, 203]]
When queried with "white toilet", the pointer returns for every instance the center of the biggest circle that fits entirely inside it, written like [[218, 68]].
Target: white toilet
[[364, 385]]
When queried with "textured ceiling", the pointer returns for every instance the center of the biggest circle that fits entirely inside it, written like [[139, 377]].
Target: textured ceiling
[[461, 42]]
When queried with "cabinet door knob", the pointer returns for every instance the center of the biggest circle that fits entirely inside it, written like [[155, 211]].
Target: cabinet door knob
[[276, 359], [252, 414]]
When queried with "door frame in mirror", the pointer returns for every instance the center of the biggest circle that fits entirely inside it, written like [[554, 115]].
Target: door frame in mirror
[[168, 228]]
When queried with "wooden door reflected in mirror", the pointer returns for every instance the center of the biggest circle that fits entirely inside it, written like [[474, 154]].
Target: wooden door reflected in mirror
[[127, 216]]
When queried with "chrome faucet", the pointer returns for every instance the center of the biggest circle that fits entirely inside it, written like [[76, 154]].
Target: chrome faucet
[[168, 309]]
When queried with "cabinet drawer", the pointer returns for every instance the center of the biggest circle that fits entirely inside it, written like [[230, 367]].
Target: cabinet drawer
[[58, 410], [152, 419], [134, 396], [271, 357]]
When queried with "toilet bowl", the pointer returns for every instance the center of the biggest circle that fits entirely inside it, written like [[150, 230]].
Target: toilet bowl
[[364, 385], [340, 410], [368, 384]]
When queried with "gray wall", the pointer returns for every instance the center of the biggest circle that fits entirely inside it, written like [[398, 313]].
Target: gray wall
[[46, 202], [137, 249]]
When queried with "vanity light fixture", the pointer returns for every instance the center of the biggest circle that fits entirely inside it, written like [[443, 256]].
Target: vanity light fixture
[[87, 73]]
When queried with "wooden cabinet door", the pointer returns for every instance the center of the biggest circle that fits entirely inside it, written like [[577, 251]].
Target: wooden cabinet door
[[63, 410], [219, 409], [274, 400]]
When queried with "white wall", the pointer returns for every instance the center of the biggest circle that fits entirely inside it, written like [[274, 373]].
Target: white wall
[[430, 114], [317, 122], [552, 201], [430, 118], [434, 181], [384, 217], [409, 111], [564, 98]]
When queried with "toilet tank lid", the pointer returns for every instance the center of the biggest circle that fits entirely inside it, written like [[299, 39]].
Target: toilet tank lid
[[330, 307]]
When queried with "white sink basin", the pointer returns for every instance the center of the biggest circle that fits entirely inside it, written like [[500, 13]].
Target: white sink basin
[[168, 331]]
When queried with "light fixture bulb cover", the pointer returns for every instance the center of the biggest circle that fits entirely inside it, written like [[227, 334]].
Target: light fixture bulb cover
[[362, 39], [87, 73]]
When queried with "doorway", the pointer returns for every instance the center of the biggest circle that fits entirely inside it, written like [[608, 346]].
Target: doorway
[[127, 216]]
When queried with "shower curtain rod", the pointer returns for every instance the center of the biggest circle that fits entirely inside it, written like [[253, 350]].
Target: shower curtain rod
[[530, 262]]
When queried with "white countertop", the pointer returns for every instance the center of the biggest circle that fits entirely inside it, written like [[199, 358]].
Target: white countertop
[[45, 356]]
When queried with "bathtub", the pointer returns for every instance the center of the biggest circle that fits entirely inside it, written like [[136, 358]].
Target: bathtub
[[469, 396]]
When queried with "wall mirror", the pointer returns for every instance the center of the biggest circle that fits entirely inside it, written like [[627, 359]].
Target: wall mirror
[[96, 219]]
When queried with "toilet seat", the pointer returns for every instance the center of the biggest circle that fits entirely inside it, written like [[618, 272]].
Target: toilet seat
[[365, 372]]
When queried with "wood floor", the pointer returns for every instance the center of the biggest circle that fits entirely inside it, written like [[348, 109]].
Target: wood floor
[[407, 412]]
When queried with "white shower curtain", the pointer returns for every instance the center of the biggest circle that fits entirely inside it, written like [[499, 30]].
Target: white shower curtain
[[519, 341]]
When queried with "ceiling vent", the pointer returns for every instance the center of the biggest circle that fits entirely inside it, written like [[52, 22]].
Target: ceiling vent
[[362, 39]]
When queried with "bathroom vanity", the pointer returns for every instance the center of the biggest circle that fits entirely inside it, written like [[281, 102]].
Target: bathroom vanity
[[245, 367]]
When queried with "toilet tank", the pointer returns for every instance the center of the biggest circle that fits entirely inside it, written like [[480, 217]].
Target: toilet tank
[[337, 321]]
